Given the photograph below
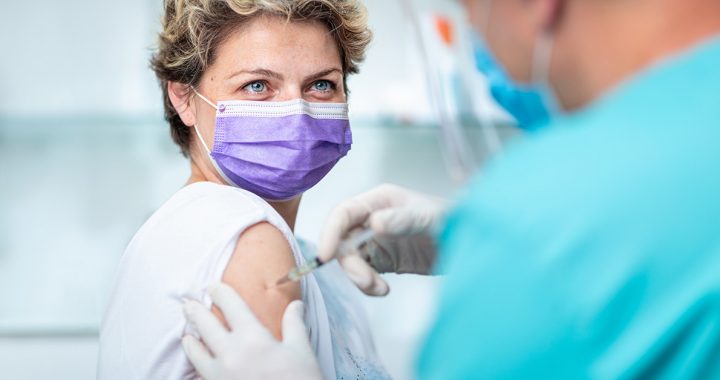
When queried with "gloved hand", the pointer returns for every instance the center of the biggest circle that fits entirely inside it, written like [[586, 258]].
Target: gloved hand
[[248, 351], [405, 223]]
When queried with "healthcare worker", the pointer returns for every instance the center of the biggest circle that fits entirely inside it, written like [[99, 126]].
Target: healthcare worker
[[590, 249]]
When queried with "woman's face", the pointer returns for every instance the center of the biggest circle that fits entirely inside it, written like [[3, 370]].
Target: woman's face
[[268, 59]]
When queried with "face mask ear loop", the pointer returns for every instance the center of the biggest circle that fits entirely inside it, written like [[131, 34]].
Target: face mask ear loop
[[203, 98], [485, 21], [197, 132], [202, 141], [542, 58], [488, 127]]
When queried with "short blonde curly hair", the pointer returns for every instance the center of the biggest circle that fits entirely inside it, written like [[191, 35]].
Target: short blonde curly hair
[[193, 29]]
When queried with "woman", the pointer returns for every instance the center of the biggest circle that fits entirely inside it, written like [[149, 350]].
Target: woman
[[255, 95]]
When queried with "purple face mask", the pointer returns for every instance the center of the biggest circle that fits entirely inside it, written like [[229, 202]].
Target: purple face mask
[[278, 150]]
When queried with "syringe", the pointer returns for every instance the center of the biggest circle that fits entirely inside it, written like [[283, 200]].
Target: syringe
[[345, 248]]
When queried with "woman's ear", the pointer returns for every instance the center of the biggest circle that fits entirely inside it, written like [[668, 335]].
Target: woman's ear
[[179, 95]]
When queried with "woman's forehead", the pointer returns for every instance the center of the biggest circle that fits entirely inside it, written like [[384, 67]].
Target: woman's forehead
[[278, 45]]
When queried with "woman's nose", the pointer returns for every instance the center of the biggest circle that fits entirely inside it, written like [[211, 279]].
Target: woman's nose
[[290, 92]]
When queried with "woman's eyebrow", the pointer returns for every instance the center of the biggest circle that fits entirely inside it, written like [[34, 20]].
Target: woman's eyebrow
[[276, 75], [262, 72], [321, 74]]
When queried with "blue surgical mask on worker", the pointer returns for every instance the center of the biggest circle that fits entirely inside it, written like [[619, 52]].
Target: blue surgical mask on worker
[[531, 105]]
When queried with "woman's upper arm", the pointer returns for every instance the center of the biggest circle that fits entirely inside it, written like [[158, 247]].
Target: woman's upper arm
[[262, 255]]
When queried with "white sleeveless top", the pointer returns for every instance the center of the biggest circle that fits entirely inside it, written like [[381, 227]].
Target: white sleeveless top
[[184, 247]]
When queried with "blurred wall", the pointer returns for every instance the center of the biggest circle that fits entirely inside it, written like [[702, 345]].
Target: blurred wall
[[77, 58], [86, 158]]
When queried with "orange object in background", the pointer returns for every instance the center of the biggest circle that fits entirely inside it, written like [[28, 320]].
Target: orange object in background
[[444, 28]]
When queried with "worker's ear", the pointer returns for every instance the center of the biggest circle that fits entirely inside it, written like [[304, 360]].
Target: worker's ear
[[180, 96], [549, 13]]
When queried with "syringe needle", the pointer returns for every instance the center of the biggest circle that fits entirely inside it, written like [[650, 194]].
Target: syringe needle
[[298, 272], [346, 248], [284, 280]]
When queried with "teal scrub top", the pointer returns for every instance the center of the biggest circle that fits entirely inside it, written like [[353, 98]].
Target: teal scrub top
[[591, 249]]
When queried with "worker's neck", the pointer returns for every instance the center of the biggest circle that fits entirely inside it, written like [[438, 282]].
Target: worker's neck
[[599, 48]]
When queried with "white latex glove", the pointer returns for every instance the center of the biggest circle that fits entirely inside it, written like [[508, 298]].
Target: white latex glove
[[248, 351], [405, 223]]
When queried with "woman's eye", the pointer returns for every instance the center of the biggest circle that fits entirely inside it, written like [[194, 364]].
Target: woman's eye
[[256, 87], [323, 86]]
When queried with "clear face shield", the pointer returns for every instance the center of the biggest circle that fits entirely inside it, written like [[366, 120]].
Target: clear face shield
[[465, 141], [495, 100]]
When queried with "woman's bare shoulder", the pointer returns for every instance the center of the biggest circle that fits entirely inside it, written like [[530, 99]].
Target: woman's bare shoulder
[[262, 255]]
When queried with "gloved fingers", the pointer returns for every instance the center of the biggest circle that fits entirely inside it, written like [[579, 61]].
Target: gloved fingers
[[381, 253], [294, 332], [210, 328], [384, 196], [237, 314], [354, 213], [412, 219], [395, 221], [199, 356], [364, 276], [342, 219]]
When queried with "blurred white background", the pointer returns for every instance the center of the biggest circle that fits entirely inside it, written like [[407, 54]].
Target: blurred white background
[[86, 157]]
